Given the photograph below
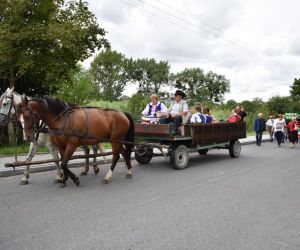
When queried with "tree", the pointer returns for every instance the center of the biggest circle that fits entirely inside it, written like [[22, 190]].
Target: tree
[[42, 40], [200, 86], [136, 105], [231, 104], [151, 75], [110, 73], [217, 86], [192, 82], [80, 88], [278, 104], [295, 89]]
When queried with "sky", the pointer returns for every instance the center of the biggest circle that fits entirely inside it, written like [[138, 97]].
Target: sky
[[253, 43]]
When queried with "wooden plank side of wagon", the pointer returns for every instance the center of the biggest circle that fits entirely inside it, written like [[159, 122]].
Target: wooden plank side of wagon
[[206, 134], [161, 132]]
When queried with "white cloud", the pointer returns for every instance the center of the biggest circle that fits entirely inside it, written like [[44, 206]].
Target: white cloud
[[253, 43]]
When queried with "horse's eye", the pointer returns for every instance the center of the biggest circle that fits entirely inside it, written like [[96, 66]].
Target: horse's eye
[[4, 104]]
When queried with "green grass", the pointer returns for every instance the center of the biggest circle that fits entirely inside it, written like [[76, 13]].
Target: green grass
[[20, 149], [24, 149], [119, 105]]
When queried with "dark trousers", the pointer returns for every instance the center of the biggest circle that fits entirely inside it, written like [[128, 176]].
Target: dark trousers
[[177, 120], [293, 135], [279, 136], [258, 138]]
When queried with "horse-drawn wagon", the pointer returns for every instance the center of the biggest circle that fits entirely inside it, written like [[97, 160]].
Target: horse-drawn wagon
[[194, 138]]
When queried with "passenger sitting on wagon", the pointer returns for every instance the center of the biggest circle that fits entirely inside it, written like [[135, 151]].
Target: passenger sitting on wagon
[[154, 110], [234, 117], [208, 116], [178, 112], [198, 117]]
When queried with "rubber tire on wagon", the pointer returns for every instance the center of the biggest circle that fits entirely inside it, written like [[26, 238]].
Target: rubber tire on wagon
[[235, 149], [143, 155], [203, 151], [179, 157]]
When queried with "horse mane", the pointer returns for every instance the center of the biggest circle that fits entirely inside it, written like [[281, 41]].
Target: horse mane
[[57, 106]]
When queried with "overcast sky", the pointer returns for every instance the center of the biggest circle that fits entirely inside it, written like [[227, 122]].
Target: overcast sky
[[254, 43]]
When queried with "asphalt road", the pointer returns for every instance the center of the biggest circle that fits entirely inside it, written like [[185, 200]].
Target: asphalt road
[[251, 202]]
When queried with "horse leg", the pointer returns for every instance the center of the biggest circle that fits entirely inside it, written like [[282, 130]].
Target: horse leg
[[64, 165], [126, 157], [55, 156], [116, 156], [86, 151], [96, 169], [32, 150], [102, 150]]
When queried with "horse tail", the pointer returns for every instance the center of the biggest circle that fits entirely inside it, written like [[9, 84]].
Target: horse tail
[[129, 136]]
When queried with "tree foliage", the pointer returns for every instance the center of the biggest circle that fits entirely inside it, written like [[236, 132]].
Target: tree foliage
[[216, 86], [295, 89], [110, 73], [278, 104], [200, 86], [150, 74], [42, 40], [192, 82], [80, 88]]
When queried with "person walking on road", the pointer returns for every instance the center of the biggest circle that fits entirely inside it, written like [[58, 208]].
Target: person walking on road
[[269, 124], [278, 128], [259, 127], [293, 128]]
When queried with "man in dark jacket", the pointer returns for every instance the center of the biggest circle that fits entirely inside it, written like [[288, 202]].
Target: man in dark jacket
[[259, 127]]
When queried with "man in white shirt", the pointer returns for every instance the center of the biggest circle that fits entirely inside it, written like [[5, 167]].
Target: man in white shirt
[[178, 109]]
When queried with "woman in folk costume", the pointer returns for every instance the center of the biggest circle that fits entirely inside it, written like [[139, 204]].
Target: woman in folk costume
[[154, 110]]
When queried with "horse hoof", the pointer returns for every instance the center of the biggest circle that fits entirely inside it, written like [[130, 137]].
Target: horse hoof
[[57, 181], [23, 182], [83, 173], [76, 181], [129, 176], [105, 181], [96, 170]]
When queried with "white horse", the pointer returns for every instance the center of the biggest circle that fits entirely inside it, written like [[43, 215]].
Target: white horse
[[8, 103]]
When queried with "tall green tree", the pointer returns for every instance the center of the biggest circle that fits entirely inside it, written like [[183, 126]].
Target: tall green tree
[[42, 40], [150, 74], [192, 82], [110, 73], [200, 86], [295, 89], [216, 86]]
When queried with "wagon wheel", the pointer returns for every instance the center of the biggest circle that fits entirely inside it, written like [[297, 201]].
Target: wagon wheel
[[235, 149], [179, 157], [143, 155], [203, 151]]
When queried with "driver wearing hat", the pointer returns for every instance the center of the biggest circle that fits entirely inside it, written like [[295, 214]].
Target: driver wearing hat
[[177, 110]]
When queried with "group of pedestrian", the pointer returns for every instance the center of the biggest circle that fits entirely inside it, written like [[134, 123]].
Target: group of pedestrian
[[277, 128]]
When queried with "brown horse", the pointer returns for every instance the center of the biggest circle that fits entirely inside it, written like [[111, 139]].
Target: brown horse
[[71, 127]]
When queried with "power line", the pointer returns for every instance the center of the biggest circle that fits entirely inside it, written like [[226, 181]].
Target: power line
[[182, 23]]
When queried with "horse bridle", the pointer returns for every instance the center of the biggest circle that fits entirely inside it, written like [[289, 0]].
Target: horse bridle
[[35, 119], [7, 116]]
